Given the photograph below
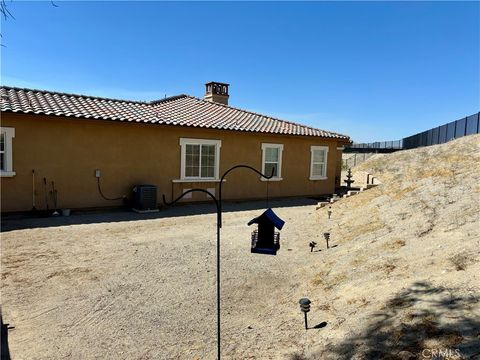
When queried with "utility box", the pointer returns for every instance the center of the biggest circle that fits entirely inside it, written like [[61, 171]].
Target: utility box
[[145, 198]]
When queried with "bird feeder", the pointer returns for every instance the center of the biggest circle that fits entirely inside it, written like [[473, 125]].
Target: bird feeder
[[265, 240]]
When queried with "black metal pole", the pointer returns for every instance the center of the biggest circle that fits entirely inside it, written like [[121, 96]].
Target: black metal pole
[[218, 203], [218, 284], [306, 323]]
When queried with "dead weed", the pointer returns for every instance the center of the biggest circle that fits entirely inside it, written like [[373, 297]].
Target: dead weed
[[462, 260]]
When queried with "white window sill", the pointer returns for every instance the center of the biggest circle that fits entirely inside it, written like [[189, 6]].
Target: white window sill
[[318, 178], [7, 173], [197, 180], [272, 179]]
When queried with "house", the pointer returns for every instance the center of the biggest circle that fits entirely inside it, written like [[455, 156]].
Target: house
[[96, 149]]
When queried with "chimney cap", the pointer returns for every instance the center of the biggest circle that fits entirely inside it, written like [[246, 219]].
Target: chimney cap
[[216, 82], [217, 92]]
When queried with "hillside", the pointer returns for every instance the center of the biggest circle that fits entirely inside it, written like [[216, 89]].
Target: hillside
[[405, 276], [401, 276]]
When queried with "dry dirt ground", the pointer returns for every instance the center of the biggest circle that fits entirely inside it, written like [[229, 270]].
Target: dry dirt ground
[[403, 277]]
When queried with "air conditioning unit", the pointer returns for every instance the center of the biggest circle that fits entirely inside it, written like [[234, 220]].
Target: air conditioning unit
[[145, 198]]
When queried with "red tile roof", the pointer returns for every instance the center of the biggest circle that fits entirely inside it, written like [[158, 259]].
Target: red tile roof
[[181, 110]]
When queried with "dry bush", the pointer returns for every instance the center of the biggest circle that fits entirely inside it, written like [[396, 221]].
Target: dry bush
[[462, 260]]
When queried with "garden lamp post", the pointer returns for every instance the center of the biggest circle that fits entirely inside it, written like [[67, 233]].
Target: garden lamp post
[[327, 237], [305, 308], [218, 205]]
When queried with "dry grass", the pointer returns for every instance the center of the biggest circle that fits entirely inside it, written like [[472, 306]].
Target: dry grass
[[388, 268], [359, 302], [370, 225], [327, 281], [400, 194], [394, 245], [69, 272], [462, 260]]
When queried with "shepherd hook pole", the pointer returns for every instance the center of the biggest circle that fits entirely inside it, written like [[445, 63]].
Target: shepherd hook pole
[[218, 204]]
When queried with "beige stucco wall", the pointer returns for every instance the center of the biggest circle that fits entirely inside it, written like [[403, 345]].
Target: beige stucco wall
[[68, 151]]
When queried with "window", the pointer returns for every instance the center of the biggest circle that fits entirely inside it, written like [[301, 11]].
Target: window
[[200, 159], [6, 158], [272, 160], [318, 165]]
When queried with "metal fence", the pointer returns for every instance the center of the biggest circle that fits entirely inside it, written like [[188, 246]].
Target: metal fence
[[397, 144], [466, 126]]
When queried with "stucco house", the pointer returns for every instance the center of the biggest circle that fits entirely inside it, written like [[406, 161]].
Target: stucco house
[[176, 143]]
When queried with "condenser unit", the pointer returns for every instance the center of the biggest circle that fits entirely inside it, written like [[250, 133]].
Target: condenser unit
[[145, 198]]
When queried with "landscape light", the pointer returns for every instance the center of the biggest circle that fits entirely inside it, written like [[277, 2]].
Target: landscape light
[[305, 308], [327, 237]]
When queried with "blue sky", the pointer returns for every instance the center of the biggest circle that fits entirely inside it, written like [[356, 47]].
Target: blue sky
[[373, 70]]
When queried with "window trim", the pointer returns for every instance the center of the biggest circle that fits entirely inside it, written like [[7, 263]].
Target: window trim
[[316, 148], [8, 157], [280, 156], [189, 141]]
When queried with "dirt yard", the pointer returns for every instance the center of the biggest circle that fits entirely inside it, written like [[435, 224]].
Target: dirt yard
[[403, 276]]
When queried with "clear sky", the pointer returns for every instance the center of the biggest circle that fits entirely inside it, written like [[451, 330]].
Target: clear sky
[[373, 70]]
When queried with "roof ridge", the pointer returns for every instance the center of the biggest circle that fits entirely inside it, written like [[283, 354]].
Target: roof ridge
[[6, 87], [263, 115], [166, 99]]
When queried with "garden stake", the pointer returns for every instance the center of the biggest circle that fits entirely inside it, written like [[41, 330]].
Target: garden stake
[[33, 190], [54, 196], [46, 192]]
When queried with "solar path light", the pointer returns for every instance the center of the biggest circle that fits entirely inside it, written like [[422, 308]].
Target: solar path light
[[327, 237], [305, 308], [312, 245], [329, 212]]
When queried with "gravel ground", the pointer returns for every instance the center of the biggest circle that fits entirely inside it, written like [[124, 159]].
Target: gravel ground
[[403, 276]]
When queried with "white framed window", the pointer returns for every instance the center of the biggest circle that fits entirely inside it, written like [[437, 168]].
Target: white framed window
[[6, 158], [318, 162], [272, 160], [200, 159]]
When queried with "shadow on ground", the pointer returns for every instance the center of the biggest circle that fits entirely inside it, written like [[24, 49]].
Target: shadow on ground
[[412, 325], [5, 352], [29, 221]]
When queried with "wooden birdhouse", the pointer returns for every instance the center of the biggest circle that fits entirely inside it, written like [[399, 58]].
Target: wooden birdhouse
[[265, 240]]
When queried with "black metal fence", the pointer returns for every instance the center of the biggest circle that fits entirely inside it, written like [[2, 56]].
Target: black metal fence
[[441, 134], [466, 126], [397, 144]]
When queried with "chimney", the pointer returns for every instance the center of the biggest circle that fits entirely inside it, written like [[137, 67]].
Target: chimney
[[216, 92]]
